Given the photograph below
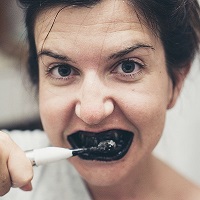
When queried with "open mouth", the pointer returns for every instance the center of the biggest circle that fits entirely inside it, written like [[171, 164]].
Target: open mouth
[[121, 138]]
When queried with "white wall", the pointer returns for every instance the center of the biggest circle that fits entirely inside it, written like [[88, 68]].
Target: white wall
[[18, 103]]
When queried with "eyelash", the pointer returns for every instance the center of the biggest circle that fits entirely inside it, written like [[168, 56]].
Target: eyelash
[[116, 70], [49, 71]]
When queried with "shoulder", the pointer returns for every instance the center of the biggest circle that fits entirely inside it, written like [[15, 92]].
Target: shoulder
[[192, 192], [173, 185], [29, 139]]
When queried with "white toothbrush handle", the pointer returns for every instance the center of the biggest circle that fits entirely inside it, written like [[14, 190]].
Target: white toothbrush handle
[[48, 155]]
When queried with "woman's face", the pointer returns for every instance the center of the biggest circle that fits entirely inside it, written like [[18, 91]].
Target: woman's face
[[101, 71]]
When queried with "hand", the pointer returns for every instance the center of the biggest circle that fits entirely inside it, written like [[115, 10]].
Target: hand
[[15, 169]]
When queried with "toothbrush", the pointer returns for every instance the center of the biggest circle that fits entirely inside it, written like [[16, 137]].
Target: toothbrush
[[52, 154]]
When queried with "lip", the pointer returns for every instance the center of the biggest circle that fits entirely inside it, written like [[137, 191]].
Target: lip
[[84, 139]]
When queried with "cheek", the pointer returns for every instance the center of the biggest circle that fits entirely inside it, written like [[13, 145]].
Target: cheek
[[55, 112], [147, 115]]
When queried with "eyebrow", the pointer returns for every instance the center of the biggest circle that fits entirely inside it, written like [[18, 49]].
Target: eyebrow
[[116, 55], [130, 49], [53, 55]]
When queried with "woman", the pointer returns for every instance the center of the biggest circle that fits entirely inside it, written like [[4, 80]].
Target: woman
[[106, 71]]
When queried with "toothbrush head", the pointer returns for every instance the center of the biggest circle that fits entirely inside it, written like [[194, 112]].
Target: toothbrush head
[[107, 145]]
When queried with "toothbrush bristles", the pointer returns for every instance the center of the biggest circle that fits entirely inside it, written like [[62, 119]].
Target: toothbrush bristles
[[104, 146]]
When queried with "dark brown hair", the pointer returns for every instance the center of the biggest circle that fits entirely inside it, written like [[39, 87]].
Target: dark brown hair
[[176, 22]]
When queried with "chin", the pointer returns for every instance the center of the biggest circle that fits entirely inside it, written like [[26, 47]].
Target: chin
[[102, 173]]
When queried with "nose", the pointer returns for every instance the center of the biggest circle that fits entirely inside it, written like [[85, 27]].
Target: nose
[[94, 104]]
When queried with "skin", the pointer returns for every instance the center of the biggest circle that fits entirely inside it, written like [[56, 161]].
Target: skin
[[99, 96], [12, 162]]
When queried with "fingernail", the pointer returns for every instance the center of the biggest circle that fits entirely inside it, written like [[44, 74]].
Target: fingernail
[[27, 187]]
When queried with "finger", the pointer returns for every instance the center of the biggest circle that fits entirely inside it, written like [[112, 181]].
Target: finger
[[16, 162], [20, 168], [5, 182]]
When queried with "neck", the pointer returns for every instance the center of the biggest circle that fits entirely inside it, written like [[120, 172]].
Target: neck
[[140, 183]]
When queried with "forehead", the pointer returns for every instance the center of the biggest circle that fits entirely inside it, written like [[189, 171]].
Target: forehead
[[107, 11], [108, 18]]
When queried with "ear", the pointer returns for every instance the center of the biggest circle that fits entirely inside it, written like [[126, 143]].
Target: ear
[[176, 88]]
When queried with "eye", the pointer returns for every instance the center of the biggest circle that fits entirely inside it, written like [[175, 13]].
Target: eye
[[129, 67], [62, 71]]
